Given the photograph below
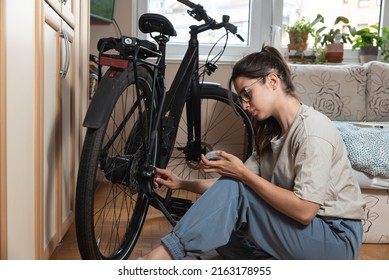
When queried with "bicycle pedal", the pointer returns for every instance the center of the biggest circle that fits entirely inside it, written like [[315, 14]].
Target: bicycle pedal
[[178, 206]]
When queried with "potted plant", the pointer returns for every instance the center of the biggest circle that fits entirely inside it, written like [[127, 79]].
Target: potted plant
[[299, 32], [334, 39], [368, 41]]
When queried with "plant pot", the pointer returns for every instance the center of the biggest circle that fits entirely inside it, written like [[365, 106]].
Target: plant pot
[[368, 53], [298, 41], [334, 53]]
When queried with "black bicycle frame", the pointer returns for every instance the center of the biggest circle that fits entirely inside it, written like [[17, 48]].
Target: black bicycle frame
[[187, 81], [185, 88]]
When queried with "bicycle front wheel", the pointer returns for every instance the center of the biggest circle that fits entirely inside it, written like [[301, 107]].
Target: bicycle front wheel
[[110, 204], [223, 127]]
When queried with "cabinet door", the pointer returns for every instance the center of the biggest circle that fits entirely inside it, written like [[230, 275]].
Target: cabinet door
[[67, 131], [65, 8], [68, 11], [51, 118], [58, 129]]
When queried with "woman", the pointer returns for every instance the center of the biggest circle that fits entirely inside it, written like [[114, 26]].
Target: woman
[[295, 198]]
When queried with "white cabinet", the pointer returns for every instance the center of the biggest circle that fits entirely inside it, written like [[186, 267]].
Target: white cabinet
[[58, 125], [40, 184]]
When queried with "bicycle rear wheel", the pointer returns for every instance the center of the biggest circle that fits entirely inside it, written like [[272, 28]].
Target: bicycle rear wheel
[[110, 204], [224, 127]]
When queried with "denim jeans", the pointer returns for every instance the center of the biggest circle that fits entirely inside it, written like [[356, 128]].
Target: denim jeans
[[230, 217]]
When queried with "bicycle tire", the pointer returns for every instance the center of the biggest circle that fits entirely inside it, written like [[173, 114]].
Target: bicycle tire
[[224, 127], [110, 205]]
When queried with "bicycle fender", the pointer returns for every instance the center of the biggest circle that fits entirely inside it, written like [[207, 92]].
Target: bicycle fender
[[218, 89], [101, 105], [210, 85]]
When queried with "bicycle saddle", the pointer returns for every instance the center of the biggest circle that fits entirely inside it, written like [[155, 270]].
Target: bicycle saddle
[[150, 22]]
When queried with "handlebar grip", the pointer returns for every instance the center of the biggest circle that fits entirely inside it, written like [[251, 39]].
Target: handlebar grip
[[233, 29], [188, 3], [230, 27]]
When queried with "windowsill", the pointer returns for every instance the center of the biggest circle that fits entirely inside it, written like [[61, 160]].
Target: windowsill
[[350, 57], [224, 60]]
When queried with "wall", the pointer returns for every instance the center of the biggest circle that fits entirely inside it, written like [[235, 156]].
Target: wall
[[3, 149], [100, 29]]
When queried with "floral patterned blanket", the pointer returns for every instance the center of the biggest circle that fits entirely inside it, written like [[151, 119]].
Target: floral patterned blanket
[[368, 148]]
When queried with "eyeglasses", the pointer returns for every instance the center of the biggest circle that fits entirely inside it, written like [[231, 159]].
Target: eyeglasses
[[245, 94]]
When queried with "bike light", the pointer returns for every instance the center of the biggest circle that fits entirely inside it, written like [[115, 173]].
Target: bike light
[[112, 74], [114, 62]]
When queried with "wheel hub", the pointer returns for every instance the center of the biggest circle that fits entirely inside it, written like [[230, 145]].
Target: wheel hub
[[116, 168], [124, 170], [195, 165]]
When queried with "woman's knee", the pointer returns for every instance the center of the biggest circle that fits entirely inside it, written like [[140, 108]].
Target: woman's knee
[[230, 184]]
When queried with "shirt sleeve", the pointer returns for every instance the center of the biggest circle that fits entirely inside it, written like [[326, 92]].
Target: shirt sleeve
[[313, 163], [252, 163]]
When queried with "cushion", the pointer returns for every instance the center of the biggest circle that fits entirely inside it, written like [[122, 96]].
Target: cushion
[[336, 91], [367, 148], [377, 86]]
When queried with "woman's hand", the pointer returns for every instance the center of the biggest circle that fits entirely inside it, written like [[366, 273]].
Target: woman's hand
[[167, 178], [229, 166]]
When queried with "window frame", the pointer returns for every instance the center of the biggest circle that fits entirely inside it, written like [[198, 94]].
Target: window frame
[[351, 56], [262, 20]]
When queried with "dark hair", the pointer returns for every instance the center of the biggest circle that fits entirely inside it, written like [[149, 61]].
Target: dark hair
[[256, 65]]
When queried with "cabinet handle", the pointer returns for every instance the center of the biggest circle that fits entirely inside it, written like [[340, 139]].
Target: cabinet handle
[[64, 71], [64, 2]]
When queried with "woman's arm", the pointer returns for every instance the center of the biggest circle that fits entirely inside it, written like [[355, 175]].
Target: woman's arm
[[167, 178], [281, 199]]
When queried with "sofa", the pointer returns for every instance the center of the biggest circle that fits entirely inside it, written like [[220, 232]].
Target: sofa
[[356, 98]]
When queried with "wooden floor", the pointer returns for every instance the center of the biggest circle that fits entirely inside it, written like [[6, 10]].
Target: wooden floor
[[157, 226]]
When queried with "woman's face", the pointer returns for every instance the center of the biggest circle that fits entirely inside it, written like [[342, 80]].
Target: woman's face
[[256, 95]]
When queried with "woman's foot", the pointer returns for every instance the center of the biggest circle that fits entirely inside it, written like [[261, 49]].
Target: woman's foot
[[159, 253]]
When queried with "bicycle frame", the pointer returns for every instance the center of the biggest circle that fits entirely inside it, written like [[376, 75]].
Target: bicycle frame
[[186, 84], [185, 89]]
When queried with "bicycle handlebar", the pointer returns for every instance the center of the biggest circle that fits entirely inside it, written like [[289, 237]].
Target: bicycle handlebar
[[188, 3], [199, 13]]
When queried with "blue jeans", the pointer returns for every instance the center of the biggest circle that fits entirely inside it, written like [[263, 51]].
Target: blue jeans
[[231, 218]]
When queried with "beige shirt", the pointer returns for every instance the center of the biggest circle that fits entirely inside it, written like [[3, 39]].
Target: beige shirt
[[311, 160]]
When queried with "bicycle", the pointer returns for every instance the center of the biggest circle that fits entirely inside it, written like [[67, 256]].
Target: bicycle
[[134, 125]]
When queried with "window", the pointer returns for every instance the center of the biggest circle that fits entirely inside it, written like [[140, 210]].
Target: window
[[242, 13], [364, 3], [177, 13], [263, 22], [359, 12]]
